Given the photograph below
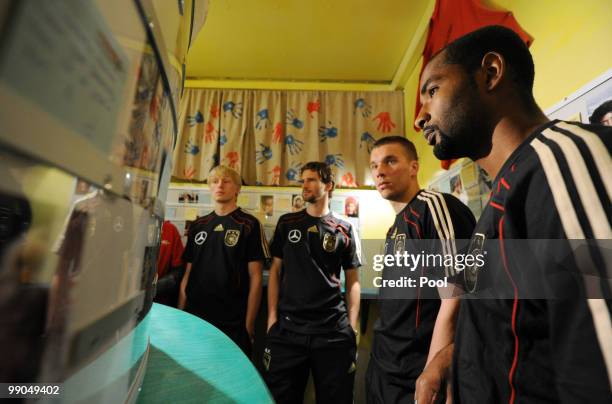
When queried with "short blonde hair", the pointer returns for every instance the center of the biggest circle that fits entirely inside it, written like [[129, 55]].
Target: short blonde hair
[[221, 171]]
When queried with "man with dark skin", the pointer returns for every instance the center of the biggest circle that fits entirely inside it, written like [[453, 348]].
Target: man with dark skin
[[551, 182]]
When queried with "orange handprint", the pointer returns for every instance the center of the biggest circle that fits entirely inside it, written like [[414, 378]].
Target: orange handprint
[[209, 132], [385, 124], [232, 159], [277, 135], [313, 106]]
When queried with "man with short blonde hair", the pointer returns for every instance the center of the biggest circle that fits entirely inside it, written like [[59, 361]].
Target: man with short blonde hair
[[224, 255]]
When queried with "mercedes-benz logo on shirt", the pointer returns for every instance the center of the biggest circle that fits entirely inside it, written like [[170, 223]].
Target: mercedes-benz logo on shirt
[[295, 236], [200, 238]]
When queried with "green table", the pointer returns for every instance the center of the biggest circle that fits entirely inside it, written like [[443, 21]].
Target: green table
[[190, 361]]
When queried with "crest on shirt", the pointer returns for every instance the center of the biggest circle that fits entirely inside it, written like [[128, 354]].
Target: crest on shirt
[[231, 237], [400, 243], [329, 242], [200, 238], [470, 273]]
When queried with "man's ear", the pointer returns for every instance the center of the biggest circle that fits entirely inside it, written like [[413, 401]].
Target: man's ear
[[414, 167], [494, 67]]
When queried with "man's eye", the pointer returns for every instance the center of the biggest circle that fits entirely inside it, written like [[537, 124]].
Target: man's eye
[[432, 91]]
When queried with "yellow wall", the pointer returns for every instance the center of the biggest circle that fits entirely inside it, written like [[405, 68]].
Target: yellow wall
[[428, 163], [572, 43], [571, 48]]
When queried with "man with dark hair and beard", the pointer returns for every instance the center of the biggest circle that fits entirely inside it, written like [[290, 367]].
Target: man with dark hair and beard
[[310, 328], [552, 186]]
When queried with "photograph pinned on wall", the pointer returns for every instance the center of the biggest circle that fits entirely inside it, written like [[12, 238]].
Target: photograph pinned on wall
[[351, 206], [297, 203], [266, 205], [457, 189], [188, 197], [600, 111]]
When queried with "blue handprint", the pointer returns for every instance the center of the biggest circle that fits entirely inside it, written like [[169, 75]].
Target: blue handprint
[[263, 154], [326, 132], [293, 172], [191, 148], [263, 119], [223, 138], [368, 139], [361, 105], [334, 160], [193, 120], [294, 145], [293, 120], [234, 108]]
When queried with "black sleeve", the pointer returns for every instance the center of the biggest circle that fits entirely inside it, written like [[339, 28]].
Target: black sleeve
[[576, 324], [278, 241], [257, 246], [189, 252], [351, 254]]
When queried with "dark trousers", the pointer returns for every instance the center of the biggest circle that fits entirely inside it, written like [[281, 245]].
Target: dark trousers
[[383, 389], [289, 357]]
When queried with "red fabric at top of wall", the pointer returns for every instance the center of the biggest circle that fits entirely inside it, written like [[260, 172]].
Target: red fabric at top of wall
[[452, 19]]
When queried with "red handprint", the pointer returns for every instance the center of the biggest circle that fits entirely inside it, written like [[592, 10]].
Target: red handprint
[[277, 135], [209, 132], [232, 159], [313, 106], [385, 124]]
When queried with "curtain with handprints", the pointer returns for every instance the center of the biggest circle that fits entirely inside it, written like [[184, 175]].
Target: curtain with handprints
[[268, 135]]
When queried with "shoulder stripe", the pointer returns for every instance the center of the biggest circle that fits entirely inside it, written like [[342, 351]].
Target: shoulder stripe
[[584, 184], [598, 149], [446, 216], [569, 219], [440, 221]]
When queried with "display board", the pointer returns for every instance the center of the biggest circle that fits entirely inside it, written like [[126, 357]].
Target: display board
[[580, 105], [185, 203]]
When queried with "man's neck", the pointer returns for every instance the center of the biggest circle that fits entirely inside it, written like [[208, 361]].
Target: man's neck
[[398, 206], [509, 133], [222, 209], [319, 208]]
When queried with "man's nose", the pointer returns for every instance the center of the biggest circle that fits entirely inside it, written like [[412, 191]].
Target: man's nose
[[422, 118]]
